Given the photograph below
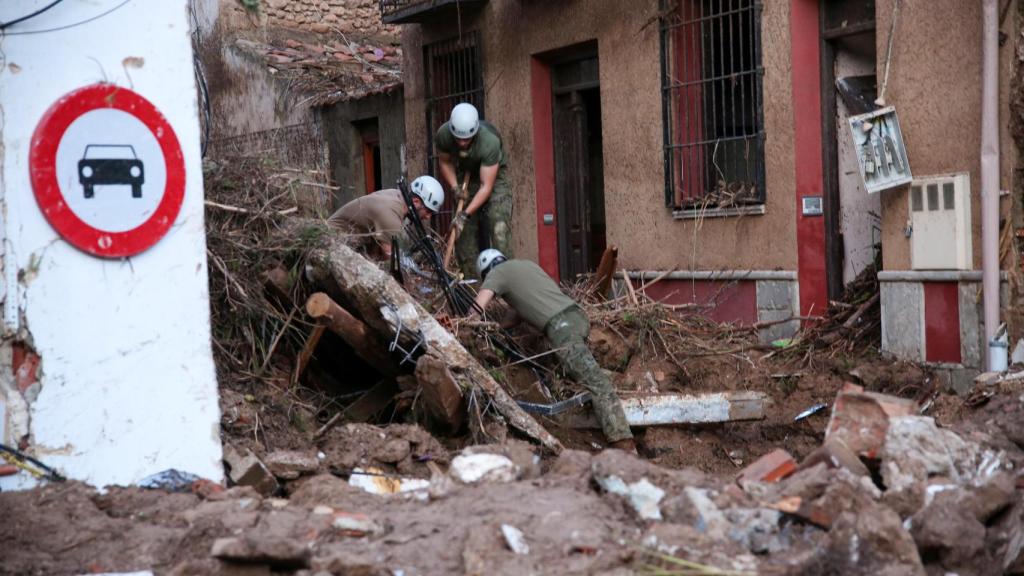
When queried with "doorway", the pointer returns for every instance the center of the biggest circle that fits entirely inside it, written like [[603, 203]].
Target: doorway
[[852, 216], [368, 137], [579, 165]]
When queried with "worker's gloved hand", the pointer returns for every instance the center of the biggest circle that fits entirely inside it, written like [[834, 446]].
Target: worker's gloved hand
[[460, 220]]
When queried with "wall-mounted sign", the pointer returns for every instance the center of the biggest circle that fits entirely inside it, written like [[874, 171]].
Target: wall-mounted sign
[[107, 170]]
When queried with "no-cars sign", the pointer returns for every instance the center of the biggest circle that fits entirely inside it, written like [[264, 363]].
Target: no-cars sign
[[107, 170]]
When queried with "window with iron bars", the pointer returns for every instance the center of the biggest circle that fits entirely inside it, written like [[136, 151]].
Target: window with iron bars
[[711, 77], [452, 73]]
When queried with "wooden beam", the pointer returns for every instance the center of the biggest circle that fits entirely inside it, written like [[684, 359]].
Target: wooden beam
[[666, 409], [353, 331], [307, 352]]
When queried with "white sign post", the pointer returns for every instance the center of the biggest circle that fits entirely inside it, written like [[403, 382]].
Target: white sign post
[[105, 273]]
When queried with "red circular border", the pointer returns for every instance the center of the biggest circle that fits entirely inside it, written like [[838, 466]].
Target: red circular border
[[43, 169]]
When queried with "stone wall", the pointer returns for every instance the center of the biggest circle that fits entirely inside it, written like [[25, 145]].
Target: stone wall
[[359, 17]]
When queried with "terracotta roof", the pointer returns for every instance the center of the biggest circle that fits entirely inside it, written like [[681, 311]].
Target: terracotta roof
[[333, 71]]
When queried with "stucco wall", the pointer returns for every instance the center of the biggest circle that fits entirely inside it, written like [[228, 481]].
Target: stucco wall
[[935, 84], [628, 49], [347, 171]]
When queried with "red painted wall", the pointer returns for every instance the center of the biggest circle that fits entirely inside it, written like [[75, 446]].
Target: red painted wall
[[734, 302], [941, 322], [810, 230], [544, 165]]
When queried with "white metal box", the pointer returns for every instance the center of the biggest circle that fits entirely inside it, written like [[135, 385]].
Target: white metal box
[[940, 223], [882, 157]]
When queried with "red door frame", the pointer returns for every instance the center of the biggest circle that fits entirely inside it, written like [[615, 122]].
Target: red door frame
[[807, 120], [544, 165]]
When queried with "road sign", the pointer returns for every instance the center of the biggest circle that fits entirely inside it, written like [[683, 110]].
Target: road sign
[[107, 170]]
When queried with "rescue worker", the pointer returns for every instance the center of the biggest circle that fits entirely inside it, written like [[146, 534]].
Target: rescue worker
[[383, 212], [535, 297], [467, 145]]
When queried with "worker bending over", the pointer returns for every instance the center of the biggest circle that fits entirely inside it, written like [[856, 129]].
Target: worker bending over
[[469, 146], [535, 297], [382, 213]]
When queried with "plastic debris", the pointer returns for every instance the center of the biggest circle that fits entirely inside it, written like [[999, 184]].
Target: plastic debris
[[171, 480]]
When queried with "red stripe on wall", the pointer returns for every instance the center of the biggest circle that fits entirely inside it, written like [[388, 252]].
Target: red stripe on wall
[[941, 322], [733, 302], [810, 230], [544, 165]]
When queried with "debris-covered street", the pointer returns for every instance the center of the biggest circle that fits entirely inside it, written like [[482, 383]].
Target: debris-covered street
[[407, 287]]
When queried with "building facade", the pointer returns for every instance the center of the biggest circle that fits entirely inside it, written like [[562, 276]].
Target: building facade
[[712, 141]]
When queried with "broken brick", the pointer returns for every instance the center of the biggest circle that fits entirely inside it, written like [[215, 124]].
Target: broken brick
[[860, 419], [771, 467], [25, 363], [248, 470], [834, 454]]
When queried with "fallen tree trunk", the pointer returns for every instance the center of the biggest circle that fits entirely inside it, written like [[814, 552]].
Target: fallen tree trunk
[[384, 305]]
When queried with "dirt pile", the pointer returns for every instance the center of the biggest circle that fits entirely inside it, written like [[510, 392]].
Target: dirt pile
[[930, 501]]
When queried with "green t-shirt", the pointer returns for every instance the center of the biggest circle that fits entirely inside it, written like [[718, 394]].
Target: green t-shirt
[[486, 150], [528, 289]]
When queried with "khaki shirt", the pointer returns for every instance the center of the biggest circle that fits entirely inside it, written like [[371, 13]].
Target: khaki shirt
[[381, 213], [529, 290]]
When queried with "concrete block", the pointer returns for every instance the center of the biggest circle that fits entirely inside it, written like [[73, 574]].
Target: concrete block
[[903, 319], [776, 295], [971, 334], [777, 331], [277, 552], [290, 464], [771, 467], [248, 470]]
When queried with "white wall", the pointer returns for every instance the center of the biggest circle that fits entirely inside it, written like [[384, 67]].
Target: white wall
[[127, 385]]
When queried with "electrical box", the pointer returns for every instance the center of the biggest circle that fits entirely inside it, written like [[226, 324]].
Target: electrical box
[[940, 223], [882, 157]]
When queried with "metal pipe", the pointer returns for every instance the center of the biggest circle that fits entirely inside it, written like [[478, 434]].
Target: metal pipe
[[990, 170]]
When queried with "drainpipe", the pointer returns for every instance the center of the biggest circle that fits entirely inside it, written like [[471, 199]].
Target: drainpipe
[[990, 170]]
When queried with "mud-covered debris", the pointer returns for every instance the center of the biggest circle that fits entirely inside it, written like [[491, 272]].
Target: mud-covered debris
[[355, 524], [834, 454], [514, 539], [276, 552], [290, 464], [393, 451], [474, 468], [245, 469], [643, 496], [376, 481], [771, 467]]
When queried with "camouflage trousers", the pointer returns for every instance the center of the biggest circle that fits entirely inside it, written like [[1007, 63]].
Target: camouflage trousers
[[496, 217], [567, 332]]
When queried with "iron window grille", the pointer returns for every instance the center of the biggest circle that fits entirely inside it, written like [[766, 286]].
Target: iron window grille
[[712, 114], [453, 73]]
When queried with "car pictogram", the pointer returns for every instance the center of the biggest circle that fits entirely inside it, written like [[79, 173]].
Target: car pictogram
[[110, 164]]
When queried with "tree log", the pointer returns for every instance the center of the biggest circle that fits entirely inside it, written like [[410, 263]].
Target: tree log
[[353, 331], [605, 272], [382, 304]]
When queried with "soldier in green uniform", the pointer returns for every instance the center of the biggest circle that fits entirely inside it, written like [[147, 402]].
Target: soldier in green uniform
[[382, 214], [535, 297], [467, 145]]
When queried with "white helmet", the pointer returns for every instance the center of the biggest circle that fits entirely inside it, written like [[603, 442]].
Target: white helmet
[[465, 121], [487, 260], [430, 191]]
